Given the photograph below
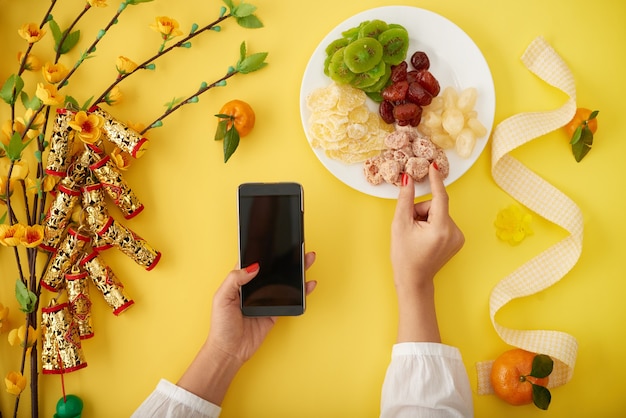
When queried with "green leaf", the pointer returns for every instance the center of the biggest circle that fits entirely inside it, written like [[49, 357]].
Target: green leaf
[[15, 147], [71, 103], [29, 103], [576, 136], [87, 104], [3, 218], [583, 146], [242, 51], [542, 366], [134, 2], [231, 142], [252, 63], [220, 132], [249, 22], [11, 89], [26, 299], [56, 31], [230, 4], [243, 10], [70, 42], [541, 397], [593, 114]]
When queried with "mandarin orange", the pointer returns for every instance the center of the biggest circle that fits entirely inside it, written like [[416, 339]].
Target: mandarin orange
[[510, 377], [241, 115], [580, 118]]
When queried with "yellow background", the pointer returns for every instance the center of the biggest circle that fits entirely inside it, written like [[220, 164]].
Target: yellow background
[[331, 361]]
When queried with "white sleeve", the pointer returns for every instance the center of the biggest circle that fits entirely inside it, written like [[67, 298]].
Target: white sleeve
[[426, 380], [171, 401]]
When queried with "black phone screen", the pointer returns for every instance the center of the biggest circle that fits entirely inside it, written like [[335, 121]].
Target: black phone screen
[[271, 234]]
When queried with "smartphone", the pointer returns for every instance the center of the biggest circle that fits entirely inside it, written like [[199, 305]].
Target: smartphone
[[271, 233]]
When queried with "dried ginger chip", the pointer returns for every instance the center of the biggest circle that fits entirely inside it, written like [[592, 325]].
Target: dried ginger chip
[[342, 125]]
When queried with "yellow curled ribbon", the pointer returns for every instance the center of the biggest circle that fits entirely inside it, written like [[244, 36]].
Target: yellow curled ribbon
[[538, 195]]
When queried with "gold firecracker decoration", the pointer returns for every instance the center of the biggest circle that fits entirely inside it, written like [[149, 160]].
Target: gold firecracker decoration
[[87, 177]]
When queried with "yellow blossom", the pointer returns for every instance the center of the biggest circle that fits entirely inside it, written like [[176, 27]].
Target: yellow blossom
[[167, 27], [49, 182], [18, 336], [33, 235], [31, 32], [97, 3], [10, 235], [15, 383], [38, 120], [32, 62], [87, 126], [137, 127], [49, 94], [125, 65], [114, 97], [513, 225], [3, 188], [120, 158], [20, 170], [4, 318], [53, 73]]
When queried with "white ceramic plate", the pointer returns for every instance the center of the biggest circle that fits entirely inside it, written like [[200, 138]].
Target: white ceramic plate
[[455, 60]]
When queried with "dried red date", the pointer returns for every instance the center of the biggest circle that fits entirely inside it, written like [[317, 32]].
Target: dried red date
[[428, 81], [398, 72], [396, 92], [420, 61], [418, 95], [409, 91], [386, 111], [406, 112], [411, 76]]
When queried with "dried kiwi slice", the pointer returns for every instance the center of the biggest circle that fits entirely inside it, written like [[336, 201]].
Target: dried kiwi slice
[[363, 54], [373, 29], [338, 71], [336, 45], [382, 81], [395, 43]]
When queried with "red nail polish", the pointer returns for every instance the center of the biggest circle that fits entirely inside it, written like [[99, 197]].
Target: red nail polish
[[405, 179], [435, 165], [252, 268]]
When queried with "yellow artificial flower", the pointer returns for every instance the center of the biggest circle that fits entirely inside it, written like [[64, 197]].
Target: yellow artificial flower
[[120, 158], [114, 97], [7, 132], [32, 62], [125, 65], [49, 94], [3, 188], [10, 235], [4, 318], [87, 126], [53, 73], [33, 235], [137, 127], [31, 32], [513, 225], [97, 3], [15, 383], [49, 182], [19, 125], [18, 336], [20, 170], [167, 27]]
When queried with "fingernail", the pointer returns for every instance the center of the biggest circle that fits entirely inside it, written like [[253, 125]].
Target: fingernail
[[405, 179], [435, 165], [252, 268]]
